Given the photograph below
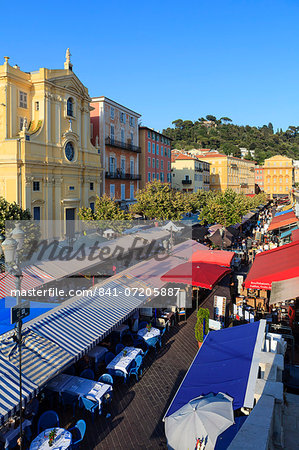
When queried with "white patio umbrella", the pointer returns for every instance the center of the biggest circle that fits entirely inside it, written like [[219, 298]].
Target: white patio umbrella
[[202, 418]]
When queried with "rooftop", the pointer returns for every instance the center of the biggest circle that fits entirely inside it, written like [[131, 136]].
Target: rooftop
[[142, 127], [113, 103]]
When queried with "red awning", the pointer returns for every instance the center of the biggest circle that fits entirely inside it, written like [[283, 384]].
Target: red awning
[[197, 274], [295, 235], [278, 264], [220, 257], [32, 277], [282, 221]]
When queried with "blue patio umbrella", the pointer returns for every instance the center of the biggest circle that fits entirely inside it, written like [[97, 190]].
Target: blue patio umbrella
[[199, 421]]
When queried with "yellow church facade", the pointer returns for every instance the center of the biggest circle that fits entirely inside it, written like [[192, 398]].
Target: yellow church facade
[[47, 162], [278, 175]]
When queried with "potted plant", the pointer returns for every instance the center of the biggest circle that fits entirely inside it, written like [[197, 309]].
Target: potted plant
[[125, 352], [202, 325], [52, 436], [149, 327]]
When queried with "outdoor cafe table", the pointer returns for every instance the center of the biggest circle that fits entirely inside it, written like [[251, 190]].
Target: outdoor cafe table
[[151, 336], [93, 390], [62, 440], [121, 362]]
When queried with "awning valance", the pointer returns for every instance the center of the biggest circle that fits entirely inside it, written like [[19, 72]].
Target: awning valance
[[284, 290], [277, 264]]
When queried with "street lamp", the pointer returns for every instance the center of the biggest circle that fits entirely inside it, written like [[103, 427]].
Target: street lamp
[[11, 247]]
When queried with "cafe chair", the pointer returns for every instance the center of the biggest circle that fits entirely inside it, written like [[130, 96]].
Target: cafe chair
[[78, 432], [69, 399], [119, 348], [139, 342], [87, 373], [136, 367], [106, 378], [120, 374], [89, 405], [161, 335], [49, 419], [109, 356]]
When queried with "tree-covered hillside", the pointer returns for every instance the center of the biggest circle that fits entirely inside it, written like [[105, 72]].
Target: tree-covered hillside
[[223, 135]]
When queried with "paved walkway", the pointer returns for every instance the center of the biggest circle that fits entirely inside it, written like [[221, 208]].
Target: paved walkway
[[138, 409], [291, 422]]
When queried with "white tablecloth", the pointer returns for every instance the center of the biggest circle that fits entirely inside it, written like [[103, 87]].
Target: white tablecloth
[[62, 441], [145, 334], [79, 386], [121, 362]]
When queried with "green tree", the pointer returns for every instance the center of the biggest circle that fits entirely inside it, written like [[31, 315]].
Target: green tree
[[211, 118], [107, 214], [225, 119], [159, 201], [12, 212], [203, 315], [230, 137]]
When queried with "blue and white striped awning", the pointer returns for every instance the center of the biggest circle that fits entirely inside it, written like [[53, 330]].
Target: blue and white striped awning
[[77, 326], [41, 358], [9, 389], [64, 335]]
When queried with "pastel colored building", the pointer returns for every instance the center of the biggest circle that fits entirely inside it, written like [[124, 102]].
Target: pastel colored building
[[278, 175], [47, 162], [259, 177], [114, 130], [296, 172], [189, 174], [155, 162], [229, 172]]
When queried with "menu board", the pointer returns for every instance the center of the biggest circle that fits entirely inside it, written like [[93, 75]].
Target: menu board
[[219, 308]]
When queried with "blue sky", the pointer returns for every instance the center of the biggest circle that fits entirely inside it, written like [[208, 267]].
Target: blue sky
[[169, 59]]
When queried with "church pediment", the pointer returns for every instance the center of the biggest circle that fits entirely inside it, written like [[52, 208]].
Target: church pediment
[[72, 84]]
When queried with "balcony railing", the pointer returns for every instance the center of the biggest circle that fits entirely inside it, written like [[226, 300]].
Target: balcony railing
[[198, 169], [124, 145], [186, 181], [122, 175]]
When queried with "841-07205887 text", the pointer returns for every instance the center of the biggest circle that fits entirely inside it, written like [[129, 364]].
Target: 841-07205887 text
[[138, 292]]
